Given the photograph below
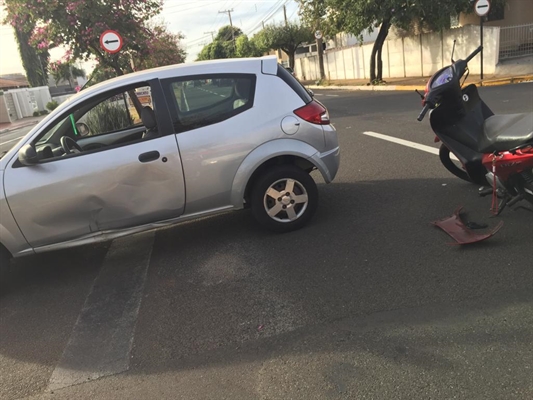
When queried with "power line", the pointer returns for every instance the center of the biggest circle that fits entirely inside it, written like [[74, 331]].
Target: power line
[[231, 24], [211, 32], [269, 15], [261, 20], [181, 9]]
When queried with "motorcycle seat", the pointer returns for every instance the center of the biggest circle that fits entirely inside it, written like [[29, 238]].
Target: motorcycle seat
[[504, 132]]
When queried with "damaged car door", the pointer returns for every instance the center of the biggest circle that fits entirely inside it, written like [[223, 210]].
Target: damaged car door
[[133, 177]]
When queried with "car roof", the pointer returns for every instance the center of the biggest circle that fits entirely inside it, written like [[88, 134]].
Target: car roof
[[265, 64], [193, 68]]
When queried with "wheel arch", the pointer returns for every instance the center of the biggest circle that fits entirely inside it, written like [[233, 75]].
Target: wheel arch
[[276, 152]]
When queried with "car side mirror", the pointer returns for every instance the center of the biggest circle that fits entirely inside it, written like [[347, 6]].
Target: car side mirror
[[311, 93], [28, 155]]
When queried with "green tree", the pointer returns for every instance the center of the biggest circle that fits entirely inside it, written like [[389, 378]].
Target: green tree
[[225, 34], [222, 45], [247, 48], [261, 42], [357, 16], [287, 37]]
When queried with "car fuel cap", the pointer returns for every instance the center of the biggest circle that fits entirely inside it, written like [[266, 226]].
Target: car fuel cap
[[290, 125]]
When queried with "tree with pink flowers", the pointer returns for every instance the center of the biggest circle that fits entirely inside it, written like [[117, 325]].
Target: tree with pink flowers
[[78, 24]]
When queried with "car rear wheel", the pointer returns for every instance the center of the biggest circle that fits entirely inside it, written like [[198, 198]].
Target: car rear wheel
[[284, 198]]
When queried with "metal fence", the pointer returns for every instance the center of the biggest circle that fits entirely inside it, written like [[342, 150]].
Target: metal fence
[[516, 41]]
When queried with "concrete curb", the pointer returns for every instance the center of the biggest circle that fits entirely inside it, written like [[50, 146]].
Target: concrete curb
[[386, 88]]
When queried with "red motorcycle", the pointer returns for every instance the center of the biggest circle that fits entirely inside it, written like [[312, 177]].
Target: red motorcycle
[[493, 148]]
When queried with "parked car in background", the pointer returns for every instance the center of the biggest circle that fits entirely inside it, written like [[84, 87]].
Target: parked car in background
[[154, 148]]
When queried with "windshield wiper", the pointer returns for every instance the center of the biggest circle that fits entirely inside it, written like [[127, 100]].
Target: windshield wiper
[[3, 154]]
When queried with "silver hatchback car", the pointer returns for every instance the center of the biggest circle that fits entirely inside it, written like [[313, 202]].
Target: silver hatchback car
[[166, 145]]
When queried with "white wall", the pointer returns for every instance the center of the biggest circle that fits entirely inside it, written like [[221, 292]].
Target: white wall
[[4, 112], [29, 100], [420, 55]]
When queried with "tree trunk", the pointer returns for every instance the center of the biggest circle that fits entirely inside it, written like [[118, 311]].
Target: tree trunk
[[379, 76], [291, 60], [320, 58], [375, 59]]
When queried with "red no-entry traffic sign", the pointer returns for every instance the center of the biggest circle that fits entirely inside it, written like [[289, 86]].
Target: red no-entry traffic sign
[[111, 41]]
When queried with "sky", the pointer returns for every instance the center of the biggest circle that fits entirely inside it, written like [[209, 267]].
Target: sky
[[194, 19]]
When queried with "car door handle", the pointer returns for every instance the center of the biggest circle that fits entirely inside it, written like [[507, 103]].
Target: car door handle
[[149, 156]]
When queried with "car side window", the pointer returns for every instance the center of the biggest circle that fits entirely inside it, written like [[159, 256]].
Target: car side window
[[110, 115], [199, 101], [116, 113], [114, 119]]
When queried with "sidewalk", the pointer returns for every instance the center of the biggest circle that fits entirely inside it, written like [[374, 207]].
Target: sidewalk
[[416, 83], [21, 123]]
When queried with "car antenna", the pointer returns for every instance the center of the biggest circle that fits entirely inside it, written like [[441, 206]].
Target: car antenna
[[453, 50]]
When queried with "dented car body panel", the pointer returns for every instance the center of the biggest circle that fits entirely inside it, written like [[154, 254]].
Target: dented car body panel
[[117, 192]]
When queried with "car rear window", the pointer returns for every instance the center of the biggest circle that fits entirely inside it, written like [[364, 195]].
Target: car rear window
[[202, 100], [294, 84]]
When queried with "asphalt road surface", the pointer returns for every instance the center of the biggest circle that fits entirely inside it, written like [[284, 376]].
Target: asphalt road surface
[[369, 301], [10, 139]]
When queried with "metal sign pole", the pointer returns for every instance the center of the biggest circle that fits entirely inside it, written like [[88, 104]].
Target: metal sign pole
[[481, 54], [482, 8]]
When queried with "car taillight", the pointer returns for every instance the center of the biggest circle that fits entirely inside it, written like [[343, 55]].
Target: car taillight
[[314, 113]]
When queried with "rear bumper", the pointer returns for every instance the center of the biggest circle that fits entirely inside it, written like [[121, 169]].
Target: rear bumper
[[328, 163]]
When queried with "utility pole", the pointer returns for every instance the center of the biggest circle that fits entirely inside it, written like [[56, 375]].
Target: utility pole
[[285, 14], [211, 32], [231, 24]]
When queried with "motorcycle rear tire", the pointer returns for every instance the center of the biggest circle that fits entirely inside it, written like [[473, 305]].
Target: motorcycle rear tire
[[444, 155]]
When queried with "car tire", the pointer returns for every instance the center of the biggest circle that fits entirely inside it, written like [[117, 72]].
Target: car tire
[[284, 198]]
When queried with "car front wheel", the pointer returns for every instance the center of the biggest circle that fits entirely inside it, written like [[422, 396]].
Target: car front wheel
[[284, 198]]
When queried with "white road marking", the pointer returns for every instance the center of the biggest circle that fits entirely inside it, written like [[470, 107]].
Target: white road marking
[[209, 91], [12, 140], [407, 143], [102, 338]]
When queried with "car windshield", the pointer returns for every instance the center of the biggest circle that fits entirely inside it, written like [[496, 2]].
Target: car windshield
[[51, 132]]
